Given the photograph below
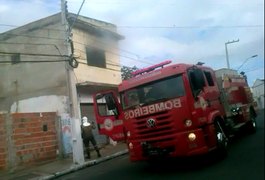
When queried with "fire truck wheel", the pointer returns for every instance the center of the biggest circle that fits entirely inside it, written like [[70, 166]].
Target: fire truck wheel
[[222, 140]]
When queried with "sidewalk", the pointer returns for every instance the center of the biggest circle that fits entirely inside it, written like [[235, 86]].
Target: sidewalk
[[61, 167]]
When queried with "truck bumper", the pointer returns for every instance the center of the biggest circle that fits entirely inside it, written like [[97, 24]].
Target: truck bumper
[[180, 144]]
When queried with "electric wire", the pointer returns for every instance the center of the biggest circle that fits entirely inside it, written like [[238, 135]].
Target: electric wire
[[166, 27], [33, 36], [77, 15], [104, 68], [31, 54], [33, 44], [97, 40], [38, 61], [138, 60]]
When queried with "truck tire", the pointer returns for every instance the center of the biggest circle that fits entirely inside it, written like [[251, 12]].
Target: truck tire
[[222, 139]]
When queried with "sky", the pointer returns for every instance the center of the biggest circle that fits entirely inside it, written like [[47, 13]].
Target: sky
[[184, 31]]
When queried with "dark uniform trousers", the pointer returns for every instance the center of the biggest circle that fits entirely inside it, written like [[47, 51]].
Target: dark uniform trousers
[[89, 137]]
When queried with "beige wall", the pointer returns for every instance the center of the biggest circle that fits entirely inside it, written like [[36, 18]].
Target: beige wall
[[24, 83], [84, 73]]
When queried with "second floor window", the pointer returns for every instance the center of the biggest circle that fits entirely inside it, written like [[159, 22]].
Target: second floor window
[[96, 57]]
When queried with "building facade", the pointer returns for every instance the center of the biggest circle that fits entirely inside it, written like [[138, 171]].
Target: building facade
[[258, 92], [34, 66]]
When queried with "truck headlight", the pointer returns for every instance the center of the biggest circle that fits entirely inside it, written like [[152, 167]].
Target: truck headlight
[[192, 136]]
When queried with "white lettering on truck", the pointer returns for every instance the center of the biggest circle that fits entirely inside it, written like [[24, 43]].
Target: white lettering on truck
[[141, 111]]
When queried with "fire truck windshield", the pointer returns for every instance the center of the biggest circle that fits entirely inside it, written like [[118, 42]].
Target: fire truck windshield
[[152, 92]]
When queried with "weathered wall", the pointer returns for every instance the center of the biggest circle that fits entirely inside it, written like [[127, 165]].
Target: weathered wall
[[38, 41], [258, 92], [84, 73], [3, 143], [28, 138], [34, 86]]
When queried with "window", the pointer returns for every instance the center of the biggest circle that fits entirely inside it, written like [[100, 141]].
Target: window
[[209, 78], [106, 105], [197, 81], [161, 90], [95, 57], [15, 58]]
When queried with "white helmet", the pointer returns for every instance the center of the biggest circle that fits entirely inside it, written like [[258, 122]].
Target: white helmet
[[85, 121]]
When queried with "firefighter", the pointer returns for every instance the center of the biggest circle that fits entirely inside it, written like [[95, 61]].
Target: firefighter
[[133, 99], [88, 136]]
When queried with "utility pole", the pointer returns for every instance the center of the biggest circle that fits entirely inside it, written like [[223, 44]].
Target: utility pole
[[226, 52], [78, 153]]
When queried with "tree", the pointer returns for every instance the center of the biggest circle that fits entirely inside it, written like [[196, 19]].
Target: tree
[[126, 72]]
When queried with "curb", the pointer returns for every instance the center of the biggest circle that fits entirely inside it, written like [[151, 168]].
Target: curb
[[82, 166]]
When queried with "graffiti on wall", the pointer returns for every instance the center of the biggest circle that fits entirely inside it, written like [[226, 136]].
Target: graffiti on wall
[[66, 133]]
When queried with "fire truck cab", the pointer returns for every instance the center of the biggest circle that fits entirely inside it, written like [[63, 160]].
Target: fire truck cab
[[175, 111]]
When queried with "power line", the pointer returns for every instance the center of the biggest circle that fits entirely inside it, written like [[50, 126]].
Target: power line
[[38, 61], [108, 63], [77, 15], [113, 63], [8, 25], [145, 62], [120, 49], [39, 44], [31, 54], [33, 36], [33, 44], [166, 3], [104, 68], [188, 27], [75, 42], [16, 26], [167, 27]]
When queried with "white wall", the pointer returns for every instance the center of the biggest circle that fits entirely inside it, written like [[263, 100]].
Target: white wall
[[50, 103], [258, 93]]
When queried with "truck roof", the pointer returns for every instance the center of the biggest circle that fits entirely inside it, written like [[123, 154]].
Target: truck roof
[[156, 74]]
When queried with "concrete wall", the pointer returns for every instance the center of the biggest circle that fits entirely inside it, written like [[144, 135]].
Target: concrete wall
[[26, 86], [33, 87], [84, 73], [258, 93]]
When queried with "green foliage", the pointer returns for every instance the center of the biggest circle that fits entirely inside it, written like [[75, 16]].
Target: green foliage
[[126, 72]]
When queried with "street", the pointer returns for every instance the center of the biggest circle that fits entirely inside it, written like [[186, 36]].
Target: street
[[245, 161]]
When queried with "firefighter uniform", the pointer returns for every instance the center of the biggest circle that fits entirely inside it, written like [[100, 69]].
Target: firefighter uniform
[[88, 136]]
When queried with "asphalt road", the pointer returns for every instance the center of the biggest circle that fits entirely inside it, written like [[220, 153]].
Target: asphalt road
[[245, 161]]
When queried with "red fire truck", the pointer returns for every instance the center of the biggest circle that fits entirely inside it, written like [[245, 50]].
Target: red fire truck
[[176, 110]]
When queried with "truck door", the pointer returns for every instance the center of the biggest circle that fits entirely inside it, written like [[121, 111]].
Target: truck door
[[109, 115]]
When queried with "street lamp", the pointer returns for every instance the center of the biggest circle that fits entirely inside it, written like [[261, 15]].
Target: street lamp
[[246, 61], [226, 52]]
